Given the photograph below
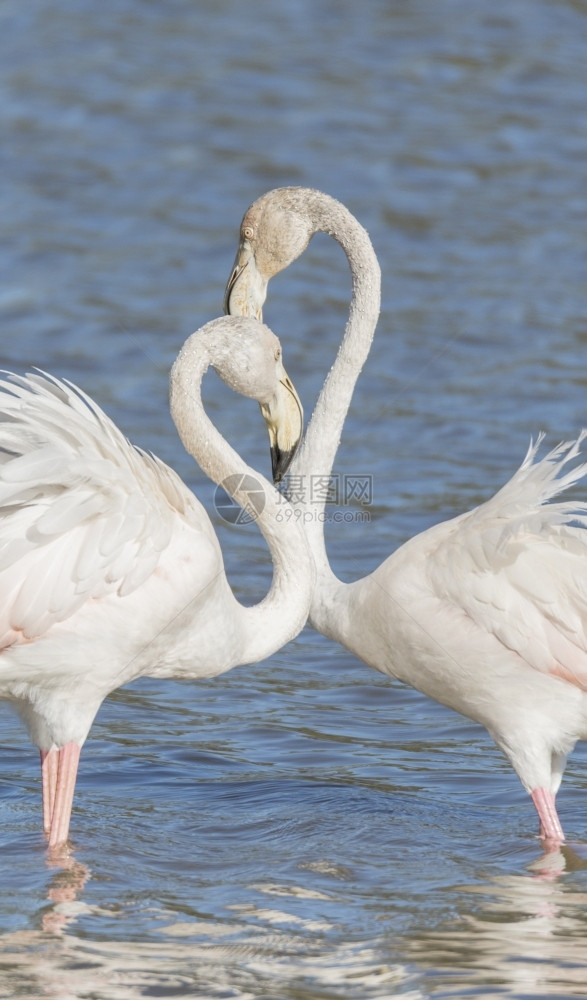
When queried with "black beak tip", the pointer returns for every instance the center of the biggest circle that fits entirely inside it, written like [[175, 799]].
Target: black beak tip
[[280, 462]]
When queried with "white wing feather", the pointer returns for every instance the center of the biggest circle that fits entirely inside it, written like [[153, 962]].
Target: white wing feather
[[517, 565], [82, 512]]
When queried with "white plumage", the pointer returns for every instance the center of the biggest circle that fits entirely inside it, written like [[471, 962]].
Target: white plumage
[[110, 567], [486, 613]]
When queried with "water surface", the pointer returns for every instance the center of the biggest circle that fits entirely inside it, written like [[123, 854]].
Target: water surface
[[304, 828]]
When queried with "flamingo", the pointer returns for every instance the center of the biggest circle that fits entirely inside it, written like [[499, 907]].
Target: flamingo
[[485, 613], [110, 568]]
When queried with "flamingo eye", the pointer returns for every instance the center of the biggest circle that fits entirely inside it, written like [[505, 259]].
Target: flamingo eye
[[248, 232]]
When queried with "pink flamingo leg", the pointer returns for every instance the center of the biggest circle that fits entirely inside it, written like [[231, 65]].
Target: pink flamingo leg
[[59, 771], [49, 766], [550, 825]]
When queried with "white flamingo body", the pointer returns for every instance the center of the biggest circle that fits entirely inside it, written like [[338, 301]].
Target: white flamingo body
[[485, 613], [471, 613], [110, 568]]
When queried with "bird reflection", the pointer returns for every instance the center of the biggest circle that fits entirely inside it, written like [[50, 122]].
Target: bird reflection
[[526, 931], [69, 878], [565, 858]]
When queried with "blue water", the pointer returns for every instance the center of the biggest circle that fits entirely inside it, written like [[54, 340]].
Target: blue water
[[304, 828]]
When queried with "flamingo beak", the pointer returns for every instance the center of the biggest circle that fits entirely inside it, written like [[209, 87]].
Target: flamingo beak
[[244, 296], [245, 290], [285, 421]]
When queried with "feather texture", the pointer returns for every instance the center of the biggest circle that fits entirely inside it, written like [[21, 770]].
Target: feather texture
[[83, 512], [110, 568]]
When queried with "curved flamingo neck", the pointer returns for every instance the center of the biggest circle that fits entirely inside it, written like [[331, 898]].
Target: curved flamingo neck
[[271, 623], [318, 450]]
